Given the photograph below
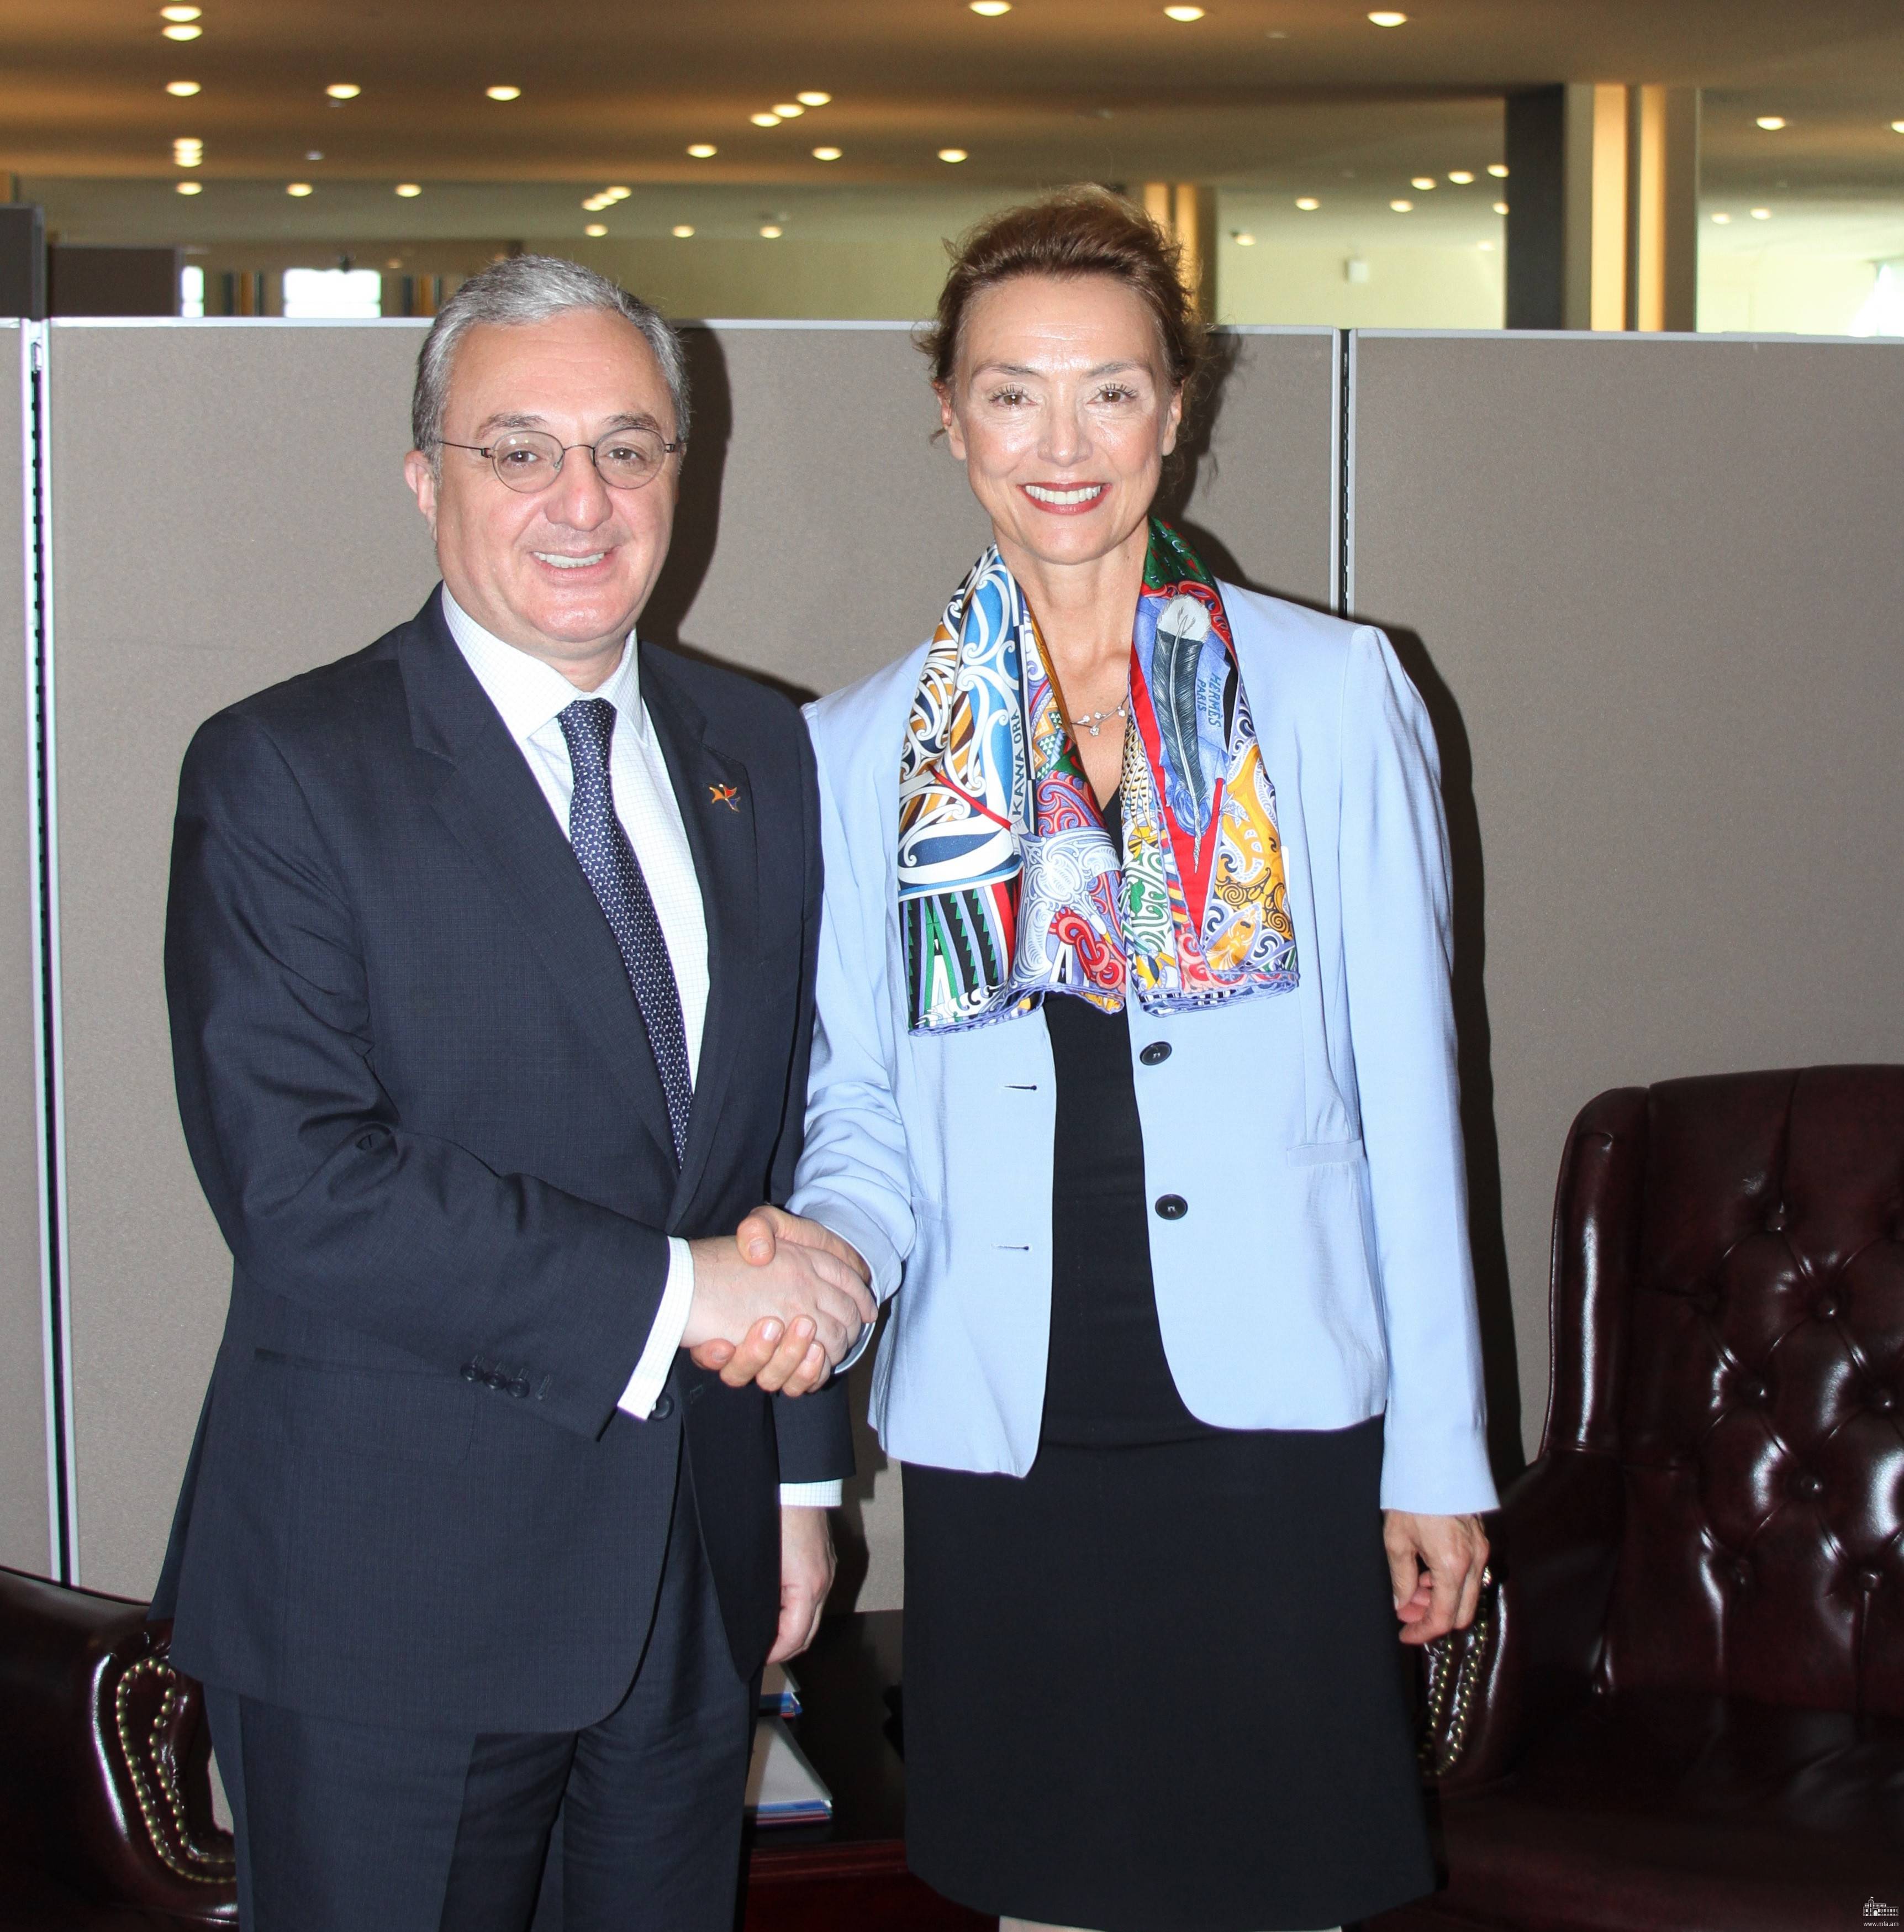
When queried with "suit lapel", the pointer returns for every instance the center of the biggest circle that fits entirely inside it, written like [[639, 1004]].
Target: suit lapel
[[491, 803], [716, 798]]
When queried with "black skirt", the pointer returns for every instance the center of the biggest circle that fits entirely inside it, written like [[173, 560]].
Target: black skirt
[[1154, 1685], [1158, 1689]]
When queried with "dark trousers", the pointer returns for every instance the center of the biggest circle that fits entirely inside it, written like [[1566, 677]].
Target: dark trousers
[[343, 1827]]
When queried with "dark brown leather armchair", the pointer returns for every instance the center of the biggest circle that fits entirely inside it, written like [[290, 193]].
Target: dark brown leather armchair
[[1683, 1707], [106, 1820]]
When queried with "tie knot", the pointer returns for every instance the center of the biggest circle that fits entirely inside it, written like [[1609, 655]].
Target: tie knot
[[588, 727]]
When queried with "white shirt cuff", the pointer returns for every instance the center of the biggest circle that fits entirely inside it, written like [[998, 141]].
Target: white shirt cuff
[[812, 1495], [644, 1386]]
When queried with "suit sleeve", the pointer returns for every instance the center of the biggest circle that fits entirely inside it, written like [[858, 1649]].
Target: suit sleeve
[[814, 1431], [1397, 946], [322, 1194]]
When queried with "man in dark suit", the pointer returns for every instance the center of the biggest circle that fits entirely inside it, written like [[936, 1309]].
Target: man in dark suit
[[490, 954]]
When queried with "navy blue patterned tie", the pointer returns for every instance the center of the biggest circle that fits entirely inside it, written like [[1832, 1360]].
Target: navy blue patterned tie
[[609, 864]]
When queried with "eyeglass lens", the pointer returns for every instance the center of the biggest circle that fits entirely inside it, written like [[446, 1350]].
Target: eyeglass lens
[[527, 461]]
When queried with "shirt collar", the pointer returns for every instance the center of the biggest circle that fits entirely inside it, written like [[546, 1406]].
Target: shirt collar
[[530, 694]]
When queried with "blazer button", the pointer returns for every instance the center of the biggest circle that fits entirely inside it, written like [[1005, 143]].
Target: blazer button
[[519, 1388], [471, 1373], [1156, 1054], [1172, 1207], [663, 1408], [497, 1379]]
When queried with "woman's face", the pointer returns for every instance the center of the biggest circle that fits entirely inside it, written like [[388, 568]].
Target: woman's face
[[1062, 410]]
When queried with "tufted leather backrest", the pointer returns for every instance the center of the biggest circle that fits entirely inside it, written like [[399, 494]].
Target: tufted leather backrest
[[1728, 1310]]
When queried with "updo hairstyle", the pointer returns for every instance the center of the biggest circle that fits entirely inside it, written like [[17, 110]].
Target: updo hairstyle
[[1074, 232]]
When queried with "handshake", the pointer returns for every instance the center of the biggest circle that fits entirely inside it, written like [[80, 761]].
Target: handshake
[[779, 1302]]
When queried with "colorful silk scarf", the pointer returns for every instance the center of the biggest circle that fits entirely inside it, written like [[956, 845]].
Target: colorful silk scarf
[[1009, 886]]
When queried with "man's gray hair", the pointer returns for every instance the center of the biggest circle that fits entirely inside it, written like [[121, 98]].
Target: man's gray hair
[[524, 289]]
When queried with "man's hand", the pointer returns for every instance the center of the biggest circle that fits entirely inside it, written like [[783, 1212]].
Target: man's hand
[[779, 1355], [779, 1312], [1434, 1563], [806, 1574]]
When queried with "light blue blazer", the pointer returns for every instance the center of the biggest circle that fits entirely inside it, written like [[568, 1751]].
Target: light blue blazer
[[1322, 1275]]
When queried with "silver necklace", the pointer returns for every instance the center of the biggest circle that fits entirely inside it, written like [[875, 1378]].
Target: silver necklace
[[1094, 722]]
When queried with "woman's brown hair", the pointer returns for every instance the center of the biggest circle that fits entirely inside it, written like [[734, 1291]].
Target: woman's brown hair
[[1076, 231]]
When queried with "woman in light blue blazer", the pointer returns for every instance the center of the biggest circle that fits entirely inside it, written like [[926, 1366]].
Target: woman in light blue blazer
[[1135, 1087]]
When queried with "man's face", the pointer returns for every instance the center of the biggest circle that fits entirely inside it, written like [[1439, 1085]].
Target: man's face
[[564, 573]]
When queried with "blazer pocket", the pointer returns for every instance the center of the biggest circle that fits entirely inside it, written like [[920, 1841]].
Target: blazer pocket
[[1322, 1153], [392, 1415]]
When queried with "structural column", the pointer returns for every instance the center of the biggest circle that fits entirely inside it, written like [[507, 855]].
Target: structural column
[[1603, 223], [1186, 212]]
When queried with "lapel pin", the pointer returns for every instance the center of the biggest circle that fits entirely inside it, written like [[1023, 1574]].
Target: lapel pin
[[725, 795]]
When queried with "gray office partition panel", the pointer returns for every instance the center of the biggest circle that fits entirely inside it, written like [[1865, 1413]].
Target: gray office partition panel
[[26, 1519], [1653, 593], [228, 509]]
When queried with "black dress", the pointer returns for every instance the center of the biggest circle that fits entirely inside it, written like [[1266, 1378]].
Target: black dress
[[1154, 1684]]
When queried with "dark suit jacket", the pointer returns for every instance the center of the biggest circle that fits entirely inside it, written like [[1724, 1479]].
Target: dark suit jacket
[[418, 1093]]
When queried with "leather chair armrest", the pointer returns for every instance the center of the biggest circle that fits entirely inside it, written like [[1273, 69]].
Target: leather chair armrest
[[105, 1783], [1533, 1647]]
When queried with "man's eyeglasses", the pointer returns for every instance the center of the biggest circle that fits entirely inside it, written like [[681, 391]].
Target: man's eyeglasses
[[528, 461]]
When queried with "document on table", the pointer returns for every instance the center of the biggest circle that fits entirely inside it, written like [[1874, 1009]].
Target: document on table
[[782, 1787], [780, 1693]]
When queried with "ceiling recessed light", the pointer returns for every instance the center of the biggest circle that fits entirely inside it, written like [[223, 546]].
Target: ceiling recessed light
[[503, 93], [189, 188], [788, 110], [1762, 214], [297, 189], [1722, 220], [343, 90], [1307, 203], [409, 190], [182, 33], [595, 231], [990, 9], [1461, 178], [1498, 169], [825, 154], [1389, 20], [1402, 207], [765, 120], [1184, 12], [1485, 247], [596, 203], [181, 13], [1897, 126], [952, 154], [1275, 34], [1242, 239], [1771, 123], [1422, 182], [1501, 208], [313, 154], [183, 89], [682, 231], [771, 231], [187, 152], [703, 151], [812, 96]]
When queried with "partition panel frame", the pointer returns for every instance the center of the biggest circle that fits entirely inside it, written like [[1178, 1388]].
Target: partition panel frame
[[62, 1488]]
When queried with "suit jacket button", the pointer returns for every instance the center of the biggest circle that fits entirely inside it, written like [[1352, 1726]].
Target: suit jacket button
[[471, 1373], [663, 1408], [1172, 1207], [1156, 1054], [497, 1379], [519, 1388]]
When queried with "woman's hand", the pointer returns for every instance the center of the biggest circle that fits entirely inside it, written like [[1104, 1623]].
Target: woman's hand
[[1435, 1563]]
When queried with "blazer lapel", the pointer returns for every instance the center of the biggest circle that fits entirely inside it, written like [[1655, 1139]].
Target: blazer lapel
[[716, 800], [489, 800]]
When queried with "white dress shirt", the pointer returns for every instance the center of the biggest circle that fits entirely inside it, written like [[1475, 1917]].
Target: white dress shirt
[[530, 696]]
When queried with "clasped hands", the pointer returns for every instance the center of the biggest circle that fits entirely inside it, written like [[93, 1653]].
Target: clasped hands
[[779, 1302]]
